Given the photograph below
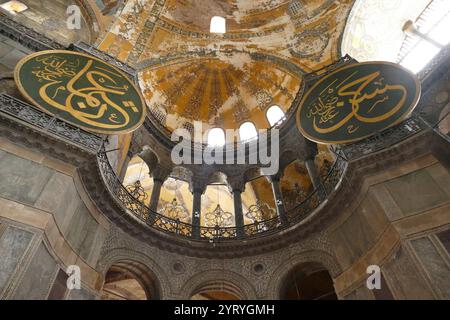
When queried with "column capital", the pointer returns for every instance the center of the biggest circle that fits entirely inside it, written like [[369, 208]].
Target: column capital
[[275, 178], [197, 185], [236, 184], [160, 174]]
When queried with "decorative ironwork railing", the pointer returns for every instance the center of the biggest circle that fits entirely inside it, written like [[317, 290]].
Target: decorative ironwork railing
[[174, 226], [383, 139], [23, 112], [88, 49], [319, 195], [27, 37]]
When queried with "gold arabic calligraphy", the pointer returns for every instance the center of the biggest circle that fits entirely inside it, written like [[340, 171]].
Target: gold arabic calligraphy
[[83, 91], [334, 101]]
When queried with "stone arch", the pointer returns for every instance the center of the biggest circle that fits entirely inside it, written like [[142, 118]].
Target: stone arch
[[325, 259], [287, 157], [218, 177], [251, 173], [182, 173], [148, 273], [227, 280]]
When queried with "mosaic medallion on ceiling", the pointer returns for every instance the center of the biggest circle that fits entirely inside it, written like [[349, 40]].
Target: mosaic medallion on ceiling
[[225, 90]]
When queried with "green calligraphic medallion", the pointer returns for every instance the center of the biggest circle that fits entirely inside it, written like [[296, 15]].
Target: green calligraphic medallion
[[81, 90], [357, 101]]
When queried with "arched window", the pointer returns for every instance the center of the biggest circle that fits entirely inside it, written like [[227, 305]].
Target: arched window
[[216, 137], [14, 7], [247, 131], [274, 114], [218, 25]]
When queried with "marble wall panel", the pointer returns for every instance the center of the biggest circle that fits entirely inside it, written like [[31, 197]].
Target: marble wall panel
[[13, 244]]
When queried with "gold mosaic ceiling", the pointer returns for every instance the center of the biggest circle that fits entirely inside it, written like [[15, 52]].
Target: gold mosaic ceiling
[[224, 80]]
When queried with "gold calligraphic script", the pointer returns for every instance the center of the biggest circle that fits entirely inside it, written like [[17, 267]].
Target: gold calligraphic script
[[81, 90], [357, 101]]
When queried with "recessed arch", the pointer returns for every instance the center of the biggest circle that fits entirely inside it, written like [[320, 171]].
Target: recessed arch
[[223, 280], [154, 278], [129, 279], [320, 257], [308, 281]]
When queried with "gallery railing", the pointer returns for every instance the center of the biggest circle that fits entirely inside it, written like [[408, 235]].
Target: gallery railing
[[383, 139], [162, 223], [27, 37], [298, 213], [18, 110], [330, 184]]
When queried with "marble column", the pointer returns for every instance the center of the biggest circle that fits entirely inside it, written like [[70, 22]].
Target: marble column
[[156, 193], [238, 213], [279, 199], [196, 211], [159, 176], [315, 178]]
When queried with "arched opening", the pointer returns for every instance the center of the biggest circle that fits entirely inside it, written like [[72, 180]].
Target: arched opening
[[274, 115], [216, 137], [308, 281], [217, 206], [137, 180], [247, 131], [258, 203], [129, 280], [217, 290], [176, 200], [218, 25], [295, 185]]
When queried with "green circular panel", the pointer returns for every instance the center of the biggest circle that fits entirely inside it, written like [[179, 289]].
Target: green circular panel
[[356, 101], [81, 90]]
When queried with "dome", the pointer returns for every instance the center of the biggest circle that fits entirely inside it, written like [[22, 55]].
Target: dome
[[224, 80]]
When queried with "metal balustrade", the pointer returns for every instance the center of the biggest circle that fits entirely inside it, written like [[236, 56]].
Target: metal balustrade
[[14, 109]]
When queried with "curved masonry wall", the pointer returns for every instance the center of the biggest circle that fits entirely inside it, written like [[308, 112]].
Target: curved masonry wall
[[399, 219]]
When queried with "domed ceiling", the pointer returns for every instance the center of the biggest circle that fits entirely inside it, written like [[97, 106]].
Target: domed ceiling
[[221, 91], [188, 73]]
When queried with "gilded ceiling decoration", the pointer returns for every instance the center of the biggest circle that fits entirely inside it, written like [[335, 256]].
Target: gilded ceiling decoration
[[188, 73], [221, 91]]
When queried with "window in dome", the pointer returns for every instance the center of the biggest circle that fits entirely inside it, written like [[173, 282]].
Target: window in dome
[[274, 115], [216, 137], [218, 25], [13, 7], [247, 131]]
